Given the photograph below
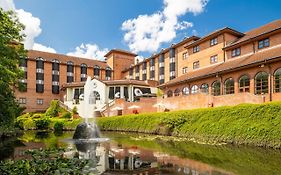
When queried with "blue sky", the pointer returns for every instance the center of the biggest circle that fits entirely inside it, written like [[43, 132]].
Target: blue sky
[[66, 24]]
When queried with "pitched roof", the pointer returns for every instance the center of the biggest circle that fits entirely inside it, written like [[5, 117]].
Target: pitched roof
[[33, 54], [120, 51], [148, 83], [252, 34], [131, 82], [214, 34], [184, 41], [272, 54]]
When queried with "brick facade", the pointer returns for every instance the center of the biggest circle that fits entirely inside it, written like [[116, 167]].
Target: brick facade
[[224, 56]]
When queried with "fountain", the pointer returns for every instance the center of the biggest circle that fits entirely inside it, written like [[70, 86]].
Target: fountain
[[88, 131]]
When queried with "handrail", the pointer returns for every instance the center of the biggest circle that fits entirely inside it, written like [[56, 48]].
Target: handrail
[[64, 106]]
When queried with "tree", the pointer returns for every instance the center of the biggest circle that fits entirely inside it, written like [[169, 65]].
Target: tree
[[11, 51]]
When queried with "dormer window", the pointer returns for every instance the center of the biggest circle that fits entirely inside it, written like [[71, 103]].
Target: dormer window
[[236, 52], [196, 49], [214, 41], [264, 43]]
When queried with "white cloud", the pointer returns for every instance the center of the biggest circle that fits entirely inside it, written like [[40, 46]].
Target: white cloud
[[7, 5], [32, 25], [148, 32], [91, 51], [40, 47]]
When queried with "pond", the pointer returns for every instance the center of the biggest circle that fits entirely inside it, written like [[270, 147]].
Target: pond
[[127, 153]]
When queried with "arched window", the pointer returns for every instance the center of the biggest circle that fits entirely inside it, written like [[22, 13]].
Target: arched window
[[261, 83], [244, 84], [96, 71], [277, 80], [177, 92], [194, 89], [69, 71], [216, 88], [185, 91], [169, 93], [204, 88], [83, 72], [108, 73], [94, 96], [229, 86]]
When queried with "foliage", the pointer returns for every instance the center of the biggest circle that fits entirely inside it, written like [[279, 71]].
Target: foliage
[[74, 110], [42, 123], [28, 121], [11, 52], [53, 110], [50, 161], [58, 126], [67, 115], [160, 93], [253, 124]]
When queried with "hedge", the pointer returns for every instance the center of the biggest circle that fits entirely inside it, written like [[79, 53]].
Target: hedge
[[254, 124]]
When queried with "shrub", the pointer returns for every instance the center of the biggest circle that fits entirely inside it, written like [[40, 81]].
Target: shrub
[[58, 126], [53, 110], [67, 115], [74, 110], [42, 123]]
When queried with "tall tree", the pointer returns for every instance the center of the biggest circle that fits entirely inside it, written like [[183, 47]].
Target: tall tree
[[11, 51]]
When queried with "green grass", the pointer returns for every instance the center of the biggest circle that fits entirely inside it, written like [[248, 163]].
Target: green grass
[[252, 124]]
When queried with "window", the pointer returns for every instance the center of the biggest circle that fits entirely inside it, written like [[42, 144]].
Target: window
[[194, 89], [39, 101], [96, 71], [263, 43], [185, 91], [184, 70], [229, 86], [94, 96], [196, 65], [216, 88], [83, 72], [214, 59], [22, 101], [214, 41], [244, 84], [185, 55], [172, 75], [177, 92], [196, 49], [204, 88], [261, 83], [236, 52], [108, 73], [172, 53], [169, 93], [55, 76], [152, 68], [23, 82], [69, 72], [39, 75], [277, 80]]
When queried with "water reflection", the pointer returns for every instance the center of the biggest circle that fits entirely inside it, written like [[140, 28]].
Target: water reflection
[[143, 154]]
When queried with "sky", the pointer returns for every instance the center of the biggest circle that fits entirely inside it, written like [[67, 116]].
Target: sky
[[90, 28]]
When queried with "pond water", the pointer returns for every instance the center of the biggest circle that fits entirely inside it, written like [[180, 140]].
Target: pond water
[[127, 153]]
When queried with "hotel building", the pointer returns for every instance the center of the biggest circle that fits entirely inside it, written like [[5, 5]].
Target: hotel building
[[225, 67]]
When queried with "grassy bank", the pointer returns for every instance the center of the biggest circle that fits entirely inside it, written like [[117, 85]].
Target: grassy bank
[[252, 124]]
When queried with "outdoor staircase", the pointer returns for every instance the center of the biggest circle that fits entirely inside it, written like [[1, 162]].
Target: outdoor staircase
[[62, 105]]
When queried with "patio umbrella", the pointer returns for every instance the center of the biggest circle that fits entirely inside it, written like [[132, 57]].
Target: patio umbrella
[[133, 107], [116, 108]]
